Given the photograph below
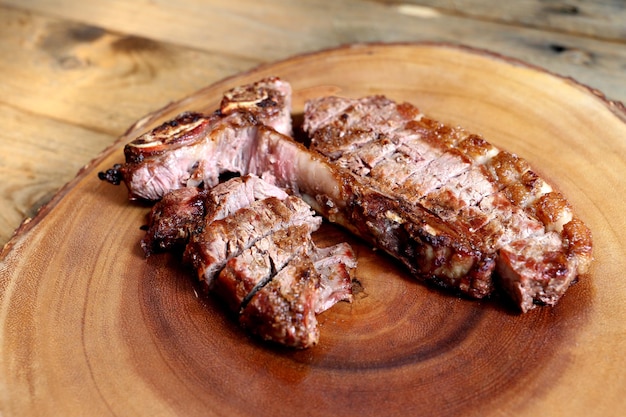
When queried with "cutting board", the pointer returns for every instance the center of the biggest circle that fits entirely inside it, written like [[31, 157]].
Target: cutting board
[[89, 326]]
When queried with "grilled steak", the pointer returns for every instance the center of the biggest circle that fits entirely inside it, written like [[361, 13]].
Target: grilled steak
[[244, 274], [243, 234], [456, 210], [285, 309], [279, 284], [453, 207]]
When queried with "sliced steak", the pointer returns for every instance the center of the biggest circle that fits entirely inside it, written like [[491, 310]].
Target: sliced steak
[[226, 198], [449, 205], [283, 311], [246, 273], [258, 234], [221, 240], [181, 211], [249, 271]]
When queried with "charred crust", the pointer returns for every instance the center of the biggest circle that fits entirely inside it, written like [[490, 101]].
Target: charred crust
[[267, 102], [578, 235], [507, 168], [112, 175], [133, 155], [183, 129], [430, 239], [182, 119], [550, 206], [408, 111], [578, 241]]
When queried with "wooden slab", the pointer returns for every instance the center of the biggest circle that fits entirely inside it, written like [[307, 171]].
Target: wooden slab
[[90, 327], [598, 19]]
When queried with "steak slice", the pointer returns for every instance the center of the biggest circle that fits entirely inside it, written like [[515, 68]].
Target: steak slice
[[181, 211], [191, 150], [228, 197], [283, 311], [172, 220], [453, 207], [221, 240], [245, 273]]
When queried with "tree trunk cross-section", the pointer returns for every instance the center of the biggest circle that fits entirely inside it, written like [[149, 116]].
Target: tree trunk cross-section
[[90, 327]]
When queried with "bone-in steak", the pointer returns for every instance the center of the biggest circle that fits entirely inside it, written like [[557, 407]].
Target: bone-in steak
[[193, 149]]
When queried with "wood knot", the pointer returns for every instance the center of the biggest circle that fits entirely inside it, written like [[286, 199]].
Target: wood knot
[[135, 44], [563, 9], [85, 33], [573, 55]]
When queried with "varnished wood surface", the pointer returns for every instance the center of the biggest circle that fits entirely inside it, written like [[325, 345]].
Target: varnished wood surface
[[90, 327]]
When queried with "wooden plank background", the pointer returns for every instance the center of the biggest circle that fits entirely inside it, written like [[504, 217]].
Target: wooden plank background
[[75, 74], [603, 19]]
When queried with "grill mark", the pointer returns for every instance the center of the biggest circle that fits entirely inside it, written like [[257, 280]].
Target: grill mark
[[430, 137], [282, 246], [205, 250]]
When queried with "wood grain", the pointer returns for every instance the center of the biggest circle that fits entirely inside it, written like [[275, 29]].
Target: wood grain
[[25, 183], [85, 70], [282, 29], [600, 19], [76, 73], [90, 327]]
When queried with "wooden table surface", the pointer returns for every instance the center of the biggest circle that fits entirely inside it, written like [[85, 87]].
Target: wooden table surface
[[74, 75]]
